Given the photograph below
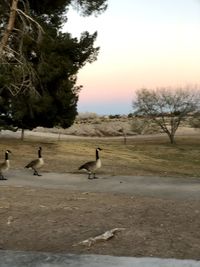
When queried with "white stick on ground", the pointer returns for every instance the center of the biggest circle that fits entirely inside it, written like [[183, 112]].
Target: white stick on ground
[[103, 237]]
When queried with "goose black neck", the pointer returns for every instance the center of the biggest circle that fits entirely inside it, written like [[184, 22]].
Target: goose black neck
[[97, 154], [6, 156], [39, 153]]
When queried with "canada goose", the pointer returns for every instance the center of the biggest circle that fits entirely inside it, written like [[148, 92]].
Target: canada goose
[[36, 163], [5, 165], [92, 166]]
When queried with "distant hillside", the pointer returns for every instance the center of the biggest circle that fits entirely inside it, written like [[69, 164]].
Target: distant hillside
[[90, 124], [95, 127]]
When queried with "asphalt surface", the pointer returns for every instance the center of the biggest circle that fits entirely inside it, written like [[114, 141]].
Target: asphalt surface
[[31, 259], [169, 187]]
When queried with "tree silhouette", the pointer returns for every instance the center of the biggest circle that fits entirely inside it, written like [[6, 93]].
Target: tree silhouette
[[166, 107]]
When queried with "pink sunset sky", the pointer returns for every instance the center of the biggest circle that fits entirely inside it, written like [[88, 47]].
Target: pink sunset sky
[[142, 44]]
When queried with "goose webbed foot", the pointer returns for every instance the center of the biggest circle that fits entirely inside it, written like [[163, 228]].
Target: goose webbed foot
[[94, 176], [36, 173], [2, 177]]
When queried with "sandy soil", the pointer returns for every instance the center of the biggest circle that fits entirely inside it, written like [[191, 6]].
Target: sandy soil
[[56, 220]]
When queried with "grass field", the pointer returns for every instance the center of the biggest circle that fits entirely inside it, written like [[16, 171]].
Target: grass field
[[142, 155]]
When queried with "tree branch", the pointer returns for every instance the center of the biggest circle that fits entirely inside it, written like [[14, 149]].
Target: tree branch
[[9, 27]]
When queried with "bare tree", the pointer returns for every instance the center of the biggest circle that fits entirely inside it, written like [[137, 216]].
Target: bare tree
[[167, 107]]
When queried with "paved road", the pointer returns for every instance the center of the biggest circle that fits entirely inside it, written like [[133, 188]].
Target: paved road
[[30, 259], [188, 188]]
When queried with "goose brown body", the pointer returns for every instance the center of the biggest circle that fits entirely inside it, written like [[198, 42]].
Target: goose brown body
[[36, 163], [5, 165], [92, 166]]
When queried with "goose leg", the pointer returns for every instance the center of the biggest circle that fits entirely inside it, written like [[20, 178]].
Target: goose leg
[[94, 176], [89, 174]]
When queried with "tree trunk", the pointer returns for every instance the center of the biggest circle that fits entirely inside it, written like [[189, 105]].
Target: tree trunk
[[171, 134], [22, 134], [10, 26], [59, 136], [171, 138], [124, 134]]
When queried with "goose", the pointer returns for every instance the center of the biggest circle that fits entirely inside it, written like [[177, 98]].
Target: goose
[[36, 163], [5, 165], [92, 166]]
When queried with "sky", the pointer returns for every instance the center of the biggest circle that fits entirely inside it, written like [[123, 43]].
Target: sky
[[143, 43]]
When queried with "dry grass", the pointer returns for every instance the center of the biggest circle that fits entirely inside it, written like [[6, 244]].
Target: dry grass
[[143, 155]]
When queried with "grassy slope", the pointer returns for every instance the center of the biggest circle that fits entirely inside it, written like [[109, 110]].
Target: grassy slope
[[140, 156]]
